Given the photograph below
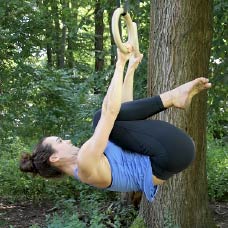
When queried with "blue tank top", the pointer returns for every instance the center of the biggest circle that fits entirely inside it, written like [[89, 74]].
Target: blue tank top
[[130, 171]]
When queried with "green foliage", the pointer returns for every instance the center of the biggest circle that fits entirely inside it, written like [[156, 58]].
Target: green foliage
[[138, 223], [56, 102], [217, 158], [217, 169], [218, 94], [3, 223], [89, 212], [69, 218], [18, 186]]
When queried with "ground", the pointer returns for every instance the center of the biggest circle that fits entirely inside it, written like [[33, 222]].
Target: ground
[[220, 213], [23, 215]]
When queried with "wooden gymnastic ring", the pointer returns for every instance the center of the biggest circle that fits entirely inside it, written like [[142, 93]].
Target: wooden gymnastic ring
[[132, 31]]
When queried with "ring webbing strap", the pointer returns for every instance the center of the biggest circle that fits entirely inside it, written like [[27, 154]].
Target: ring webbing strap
[[125, 6]]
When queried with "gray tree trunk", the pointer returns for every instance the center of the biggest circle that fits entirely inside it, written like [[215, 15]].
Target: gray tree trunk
[[62, 45], [99, 36], [180, 39], [49, 32], [111, 10]]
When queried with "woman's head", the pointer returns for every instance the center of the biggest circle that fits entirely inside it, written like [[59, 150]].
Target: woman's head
[[39, 161], [51, 157]]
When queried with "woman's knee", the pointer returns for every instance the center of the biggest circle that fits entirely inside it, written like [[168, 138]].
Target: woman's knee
[[175, 159]]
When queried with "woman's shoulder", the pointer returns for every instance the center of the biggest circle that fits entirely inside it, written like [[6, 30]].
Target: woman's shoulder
[[100, 177]]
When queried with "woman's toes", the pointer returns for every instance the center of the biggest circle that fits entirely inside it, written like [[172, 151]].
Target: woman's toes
[[208, 85], [204, 80]]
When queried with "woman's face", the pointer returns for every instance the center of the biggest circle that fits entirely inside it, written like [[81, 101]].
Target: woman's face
[[64, 149]]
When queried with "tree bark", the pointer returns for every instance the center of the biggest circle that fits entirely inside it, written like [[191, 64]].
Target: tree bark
[[72, 35], [48, 32], [180, 39], [99, 36], [60, 35], [112, 42], [62, 45]]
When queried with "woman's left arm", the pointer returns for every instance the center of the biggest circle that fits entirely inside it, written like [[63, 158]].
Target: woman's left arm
[[91, 151]]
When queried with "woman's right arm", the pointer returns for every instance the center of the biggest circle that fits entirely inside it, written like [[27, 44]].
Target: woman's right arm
[[127, 88]]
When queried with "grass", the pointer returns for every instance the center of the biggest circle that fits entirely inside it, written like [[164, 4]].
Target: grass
[[217, 169]]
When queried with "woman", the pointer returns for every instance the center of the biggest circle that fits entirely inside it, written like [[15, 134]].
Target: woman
[[126, 152]]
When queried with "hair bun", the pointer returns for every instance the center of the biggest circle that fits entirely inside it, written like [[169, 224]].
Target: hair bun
[[26, 163]]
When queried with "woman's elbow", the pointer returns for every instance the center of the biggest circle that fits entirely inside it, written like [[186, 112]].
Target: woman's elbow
[[113, 110], [110, 106]]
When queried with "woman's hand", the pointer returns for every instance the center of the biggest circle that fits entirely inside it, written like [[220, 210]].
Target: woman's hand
[[134, 61], [123, 57]]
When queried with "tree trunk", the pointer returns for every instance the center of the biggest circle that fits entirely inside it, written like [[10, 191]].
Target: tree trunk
[[112, 42], [72, 35], [59, 35], [49, 54], [99, 36], [62, 45], [49, 31], [180, 39]]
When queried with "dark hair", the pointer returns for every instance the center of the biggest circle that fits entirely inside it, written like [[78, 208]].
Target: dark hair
[[38, 161]]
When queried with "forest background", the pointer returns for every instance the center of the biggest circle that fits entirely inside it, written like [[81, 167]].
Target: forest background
[[56, 62]]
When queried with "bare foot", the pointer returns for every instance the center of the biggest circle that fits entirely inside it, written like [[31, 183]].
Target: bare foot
[[182, 95]]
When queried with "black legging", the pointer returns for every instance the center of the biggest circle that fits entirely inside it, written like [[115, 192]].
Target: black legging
[[170, 149]]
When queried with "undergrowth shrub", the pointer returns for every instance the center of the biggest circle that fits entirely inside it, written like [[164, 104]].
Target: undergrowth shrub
[[97, 210], [217, 169]]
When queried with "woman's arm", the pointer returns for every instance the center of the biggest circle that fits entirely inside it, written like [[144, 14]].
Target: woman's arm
[[129, 78], [127, 88], [91, 152]]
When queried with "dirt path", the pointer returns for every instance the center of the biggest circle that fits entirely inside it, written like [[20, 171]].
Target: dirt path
[[23, 215]]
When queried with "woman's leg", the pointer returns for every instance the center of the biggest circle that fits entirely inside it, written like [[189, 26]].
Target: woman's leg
[[170, 149], [136, 110], [179, 97]]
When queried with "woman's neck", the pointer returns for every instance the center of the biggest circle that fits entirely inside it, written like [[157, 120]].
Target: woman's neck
[[69, 166]]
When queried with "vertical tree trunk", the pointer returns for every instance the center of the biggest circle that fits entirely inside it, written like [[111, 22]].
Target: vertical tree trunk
[[99, 33], [49, 54], [62, 45], [49, 30], [59, 35], [180, 38], [72, 35], [1, 91], [70, 53], [113, 46]]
